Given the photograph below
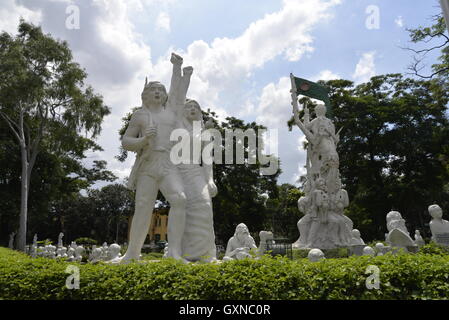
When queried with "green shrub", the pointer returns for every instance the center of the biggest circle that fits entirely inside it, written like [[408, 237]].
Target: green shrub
[[405, 276], [152, 256], [329, 254], [434, 248], [86, 241]]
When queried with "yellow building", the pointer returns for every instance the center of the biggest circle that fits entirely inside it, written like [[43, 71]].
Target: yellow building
[[158, 226]]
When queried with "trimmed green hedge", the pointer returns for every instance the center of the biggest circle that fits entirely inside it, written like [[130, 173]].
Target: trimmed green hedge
[[404, 276]]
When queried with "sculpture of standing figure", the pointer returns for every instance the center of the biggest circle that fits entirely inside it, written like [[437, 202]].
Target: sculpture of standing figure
[[34, 246], [324, 224], [148, 134], [60, 244], [198, 241], [419, 241], [11, 240]]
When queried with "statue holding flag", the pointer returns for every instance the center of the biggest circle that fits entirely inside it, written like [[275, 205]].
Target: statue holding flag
[[324, 225]]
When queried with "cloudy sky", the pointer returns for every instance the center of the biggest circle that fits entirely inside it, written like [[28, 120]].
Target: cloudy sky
[[242, 52]]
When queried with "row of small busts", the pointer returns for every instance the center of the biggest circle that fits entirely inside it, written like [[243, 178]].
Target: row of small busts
[[105, 253], [73, 253], [380, 249]]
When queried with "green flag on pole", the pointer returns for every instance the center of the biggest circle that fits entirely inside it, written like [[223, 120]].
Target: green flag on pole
[[315, 91]]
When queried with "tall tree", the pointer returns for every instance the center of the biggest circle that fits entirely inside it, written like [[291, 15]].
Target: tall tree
[[284, 212], [44, 101]]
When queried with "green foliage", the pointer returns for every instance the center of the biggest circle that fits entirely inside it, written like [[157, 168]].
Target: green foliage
[[152, 256], [86, 241], [48, 120], [406, 276], [284, 212], [102, 214], [329, 253], [434, 248], [433, 39]]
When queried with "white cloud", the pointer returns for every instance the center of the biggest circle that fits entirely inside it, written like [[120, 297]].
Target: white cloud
[[325, 75], [365, 68], [399, 21], [163, 21], [274, 108], [117, 59], [222, 65], [10, 15]]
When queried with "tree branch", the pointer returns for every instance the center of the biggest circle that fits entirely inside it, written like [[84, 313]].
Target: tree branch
[[10, 124]]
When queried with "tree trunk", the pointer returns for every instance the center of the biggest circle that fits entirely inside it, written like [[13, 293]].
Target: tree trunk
[[21, 242]]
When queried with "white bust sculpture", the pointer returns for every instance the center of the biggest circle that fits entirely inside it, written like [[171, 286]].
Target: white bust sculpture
[[51, 251], [61, 252], [398, 235], [438, 226], [114, 253], [368, 251], [79, 251], [356, 238], [264, 236], [95, 255], [380, 248], [315, 255], [71, 254], [240, 244], [104, 252]]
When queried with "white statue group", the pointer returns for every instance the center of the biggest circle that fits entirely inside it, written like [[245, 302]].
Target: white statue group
[[189, 187], [75, 252], [324, 225], [71, 253]]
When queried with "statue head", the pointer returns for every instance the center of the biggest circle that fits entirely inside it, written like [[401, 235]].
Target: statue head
[[368, 251], [192, 110], [265, 235], [435, 211], [241, 230], [379, 245], [79, 250], [320, 110], [355, 233], [114, 250], [154, 92], [393, 215], [315, 255], [320, 184], [96, 253]]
